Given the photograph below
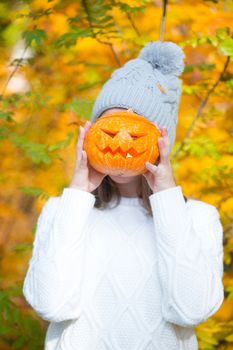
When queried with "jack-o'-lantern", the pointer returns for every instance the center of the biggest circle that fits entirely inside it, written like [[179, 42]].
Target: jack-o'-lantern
[[120, 144]]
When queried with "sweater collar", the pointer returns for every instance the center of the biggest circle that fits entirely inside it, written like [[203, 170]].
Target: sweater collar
[[130, 201]]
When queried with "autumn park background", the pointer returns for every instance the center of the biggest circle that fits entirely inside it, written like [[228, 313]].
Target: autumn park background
[[55, 56]]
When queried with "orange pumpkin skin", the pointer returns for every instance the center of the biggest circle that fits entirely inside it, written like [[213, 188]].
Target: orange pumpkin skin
[[120, 143]]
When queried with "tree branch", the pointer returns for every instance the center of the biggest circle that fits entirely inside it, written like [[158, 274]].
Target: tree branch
[[163, 20], [132, 23], [200, 108], [86, 9], [12, 73]]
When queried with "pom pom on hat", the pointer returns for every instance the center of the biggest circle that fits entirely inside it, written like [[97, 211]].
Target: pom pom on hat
[[165, 56]]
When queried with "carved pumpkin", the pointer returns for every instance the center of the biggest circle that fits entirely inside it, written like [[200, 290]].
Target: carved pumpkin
[[120, 144]]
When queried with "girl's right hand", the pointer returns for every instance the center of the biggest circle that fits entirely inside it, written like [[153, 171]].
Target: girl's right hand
[[85, 177]]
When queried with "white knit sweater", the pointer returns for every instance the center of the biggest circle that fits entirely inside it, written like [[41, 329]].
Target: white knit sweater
[[119, 279]]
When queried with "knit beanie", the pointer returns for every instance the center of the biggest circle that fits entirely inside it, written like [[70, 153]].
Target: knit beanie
[[148, 84]]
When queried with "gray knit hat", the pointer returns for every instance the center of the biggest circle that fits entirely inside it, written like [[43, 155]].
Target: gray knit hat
[[148, 84]]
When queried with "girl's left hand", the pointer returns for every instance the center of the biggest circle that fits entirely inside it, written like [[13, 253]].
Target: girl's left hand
[[160, 177]]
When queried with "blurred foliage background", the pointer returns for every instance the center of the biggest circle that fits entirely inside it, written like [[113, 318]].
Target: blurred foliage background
[[55, 57]]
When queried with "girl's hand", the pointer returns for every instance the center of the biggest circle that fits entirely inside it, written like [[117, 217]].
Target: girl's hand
[[85, 177], [160, 176]]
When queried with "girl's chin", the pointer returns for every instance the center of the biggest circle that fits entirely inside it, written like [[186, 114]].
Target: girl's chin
[[122, 179]]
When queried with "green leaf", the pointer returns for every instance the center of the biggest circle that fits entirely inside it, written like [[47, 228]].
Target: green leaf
[[226, 46], [213, 40], [202, 40], [229, 290], [194, 42], [188, 68], [216, 173], [80, 106], [18, 343], [201, 146], [36, 151], [223, 33], [4, 132], [7, 314], [229, 83], [70, 38], [206, 66], [34, 192], [202, 66], [61, 144], [35, 99], [127, 8], [11, 100], [21, 247], [7, 116], [36, 35], [190, 89], [230, 149]]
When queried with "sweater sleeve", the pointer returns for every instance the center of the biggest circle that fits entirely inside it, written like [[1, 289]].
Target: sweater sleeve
[[53, 282], [189, 240]]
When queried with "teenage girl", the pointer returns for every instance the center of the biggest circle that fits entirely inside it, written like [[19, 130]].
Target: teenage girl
[[126, 263]]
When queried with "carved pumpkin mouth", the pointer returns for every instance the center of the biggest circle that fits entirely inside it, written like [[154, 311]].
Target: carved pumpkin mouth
[[131, 153]]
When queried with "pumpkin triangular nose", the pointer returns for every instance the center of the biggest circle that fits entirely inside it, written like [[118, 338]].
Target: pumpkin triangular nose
[[123, 134], [122, 139]]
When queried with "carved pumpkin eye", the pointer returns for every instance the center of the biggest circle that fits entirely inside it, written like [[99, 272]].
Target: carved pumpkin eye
[[112, 134], [137, 136]]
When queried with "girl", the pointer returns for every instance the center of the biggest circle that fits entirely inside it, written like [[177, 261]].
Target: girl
[[125, 263]]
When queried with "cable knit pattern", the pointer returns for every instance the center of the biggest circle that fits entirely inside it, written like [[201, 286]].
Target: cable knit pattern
[[119, 279]]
